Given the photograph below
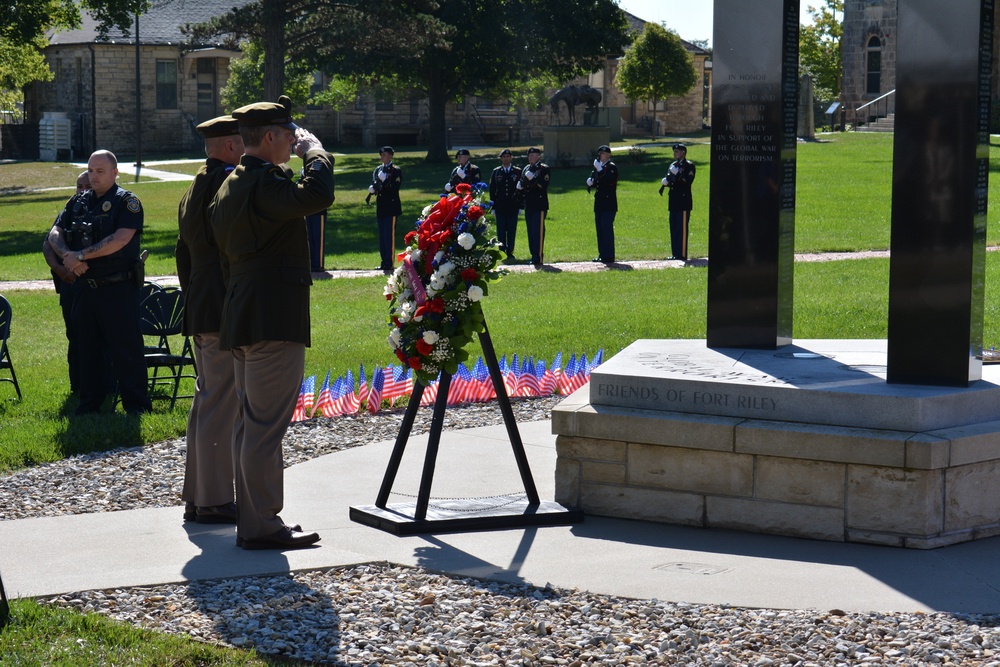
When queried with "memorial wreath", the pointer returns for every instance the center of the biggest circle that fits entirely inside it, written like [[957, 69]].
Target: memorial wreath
[[435, 293]]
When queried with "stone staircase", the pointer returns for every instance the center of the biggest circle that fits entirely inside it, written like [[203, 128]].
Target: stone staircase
[[886, 124]]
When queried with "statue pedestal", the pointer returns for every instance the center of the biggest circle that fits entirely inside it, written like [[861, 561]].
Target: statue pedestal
[[808, 441], [573, 145]]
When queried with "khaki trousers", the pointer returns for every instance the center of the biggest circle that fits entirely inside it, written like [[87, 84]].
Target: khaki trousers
[[268, 379], [208, 477]]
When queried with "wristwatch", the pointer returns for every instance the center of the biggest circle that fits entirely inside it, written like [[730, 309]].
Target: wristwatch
[[79, 256]]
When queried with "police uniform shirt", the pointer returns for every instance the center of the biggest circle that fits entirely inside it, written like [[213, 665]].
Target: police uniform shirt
[[116, 209], [606, 182], [536, 190], [387, 202], [679, 198], [199, 268], [504, 194]]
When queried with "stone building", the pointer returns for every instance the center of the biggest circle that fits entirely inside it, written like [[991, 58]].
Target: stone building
[[93, 95], [869, 57]]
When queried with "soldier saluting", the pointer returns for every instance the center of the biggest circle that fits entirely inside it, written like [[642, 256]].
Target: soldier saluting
[[386, 181], [465, 172]]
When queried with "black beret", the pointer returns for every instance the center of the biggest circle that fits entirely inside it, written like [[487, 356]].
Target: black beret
[[463, 151], [267, 113], [386, 149], [534, 149], [604, 148], [222, 126], [680, 147], [506, 151]]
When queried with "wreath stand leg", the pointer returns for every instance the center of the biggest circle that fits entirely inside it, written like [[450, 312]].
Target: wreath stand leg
[[458, 515], [4, 607]]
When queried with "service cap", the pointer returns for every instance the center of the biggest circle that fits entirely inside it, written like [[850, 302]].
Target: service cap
[[604, 148], [267, 113], [680, 147], [386, 149], [221, 126], [463, 151], [534, 149], [506, 151]]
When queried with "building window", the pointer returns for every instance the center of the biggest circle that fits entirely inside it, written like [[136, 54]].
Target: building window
[[384, 106], [873, 85], [166, 84]]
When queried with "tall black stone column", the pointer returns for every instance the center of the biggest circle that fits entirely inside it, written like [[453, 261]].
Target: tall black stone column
[[939, 191], [751, 229]]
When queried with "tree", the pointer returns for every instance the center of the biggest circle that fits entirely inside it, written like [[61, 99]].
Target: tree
[[656, 67], [246, 80], [20, 64], [820, 50], [490, 47]]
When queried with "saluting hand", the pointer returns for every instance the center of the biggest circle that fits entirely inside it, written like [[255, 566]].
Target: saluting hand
[[306, 141]]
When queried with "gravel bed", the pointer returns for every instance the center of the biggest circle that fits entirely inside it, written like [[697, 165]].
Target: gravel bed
[[386, 614]]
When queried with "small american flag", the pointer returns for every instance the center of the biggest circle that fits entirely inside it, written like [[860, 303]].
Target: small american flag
[[484, 384], [324, 401], [375, 395], [430, 392], [351, 401], [463, 387], [303, 406], [527, 381], [362, 384], [398, 382], [580, 376]]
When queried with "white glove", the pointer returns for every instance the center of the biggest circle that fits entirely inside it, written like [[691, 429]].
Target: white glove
[[381, 176], [664, 181], [519, 186], [674, 169], [529, 175], [447, 187], [371, 189], [460, 172], [305, 141], [590, 182], [598, 165]]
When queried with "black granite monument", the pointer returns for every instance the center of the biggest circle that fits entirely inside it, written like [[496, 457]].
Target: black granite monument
[[751, 244], [939, 192]]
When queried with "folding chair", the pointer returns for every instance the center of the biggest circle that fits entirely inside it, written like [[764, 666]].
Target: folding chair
[[5, 361], [161, 315]]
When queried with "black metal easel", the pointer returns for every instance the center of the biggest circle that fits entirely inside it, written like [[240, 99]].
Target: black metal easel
[[460, 514], [4, 607]]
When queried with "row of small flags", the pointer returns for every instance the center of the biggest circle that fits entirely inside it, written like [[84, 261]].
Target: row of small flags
[[524, 377]]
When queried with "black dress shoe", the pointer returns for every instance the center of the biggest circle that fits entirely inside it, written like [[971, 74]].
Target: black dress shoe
[[285, 538], [190, 512], [597, 259], [296, 528], [217, 514]]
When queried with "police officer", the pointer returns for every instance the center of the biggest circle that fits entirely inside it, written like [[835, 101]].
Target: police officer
[[63, 278], [534, 185], [604, 177], [680, 176], [506, 200], [259, 226], [386, 181], [465, 172], [208, 480], [97, 236]]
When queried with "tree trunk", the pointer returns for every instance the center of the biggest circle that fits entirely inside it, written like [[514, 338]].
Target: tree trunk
[[437, 149], [653, 128], [274, 49]]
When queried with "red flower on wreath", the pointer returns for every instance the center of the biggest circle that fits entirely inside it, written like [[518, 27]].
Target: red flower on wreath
[[401, 356], [475, 212], [463, 189], [423, 347], [414, 363], [470, 275]]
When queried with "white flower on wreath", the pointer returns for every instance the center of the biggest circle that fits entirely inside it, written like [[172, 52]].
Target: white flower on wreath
[[446, 268], [406, 311], [395, 339], [439, 256], [466, 240], [431, 337], [475, 293]]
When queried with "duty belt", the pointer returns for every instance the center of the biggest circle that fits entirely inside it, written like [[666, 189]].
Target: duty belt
[[108, 280]]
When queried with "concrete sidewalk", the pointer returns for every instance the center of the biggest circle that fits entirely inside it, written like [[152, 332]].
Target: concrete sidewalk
[[119, 549]]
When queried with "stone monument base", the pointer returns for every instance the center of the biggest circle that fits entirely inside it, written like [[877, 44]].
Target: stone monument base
[[574, 145], [807, 440]]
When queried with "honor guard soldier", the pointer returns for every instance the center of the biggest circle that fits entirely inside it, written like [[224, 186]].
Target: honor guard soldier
[[534, 186], [604, 178], [506, 200], [258, 218], [208, 480], [680, 176], [465, 172], [97, 235], [386, 181]]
